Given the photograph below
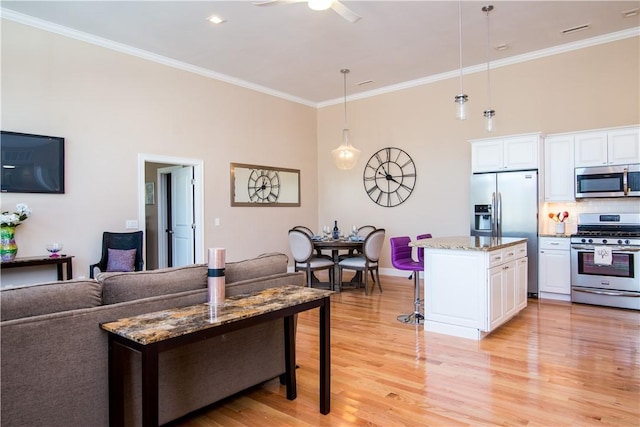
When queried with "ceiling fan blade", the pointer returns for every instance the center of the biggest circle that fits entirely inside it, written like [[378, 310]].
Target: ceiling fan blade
[[276, 2], [345, 12]]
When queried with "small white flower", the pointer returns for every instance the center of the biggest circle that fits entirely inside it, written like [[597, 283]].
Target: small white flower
[[14, 219]]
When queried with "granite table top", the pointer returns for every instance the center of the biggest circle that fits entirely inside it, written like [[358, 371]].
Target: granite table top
[[468, 243], [166, 324]]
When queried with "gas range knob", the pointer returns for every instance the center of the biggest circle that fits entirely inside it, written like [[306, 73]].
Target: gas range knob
[[583, 240], [627, 242], [604, 241], [590, 240], [620, 241]]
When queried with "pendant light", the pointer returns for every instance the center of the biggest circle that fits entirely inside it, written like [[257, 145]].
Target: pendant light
[[346, 155], [461, 99], [489, 113]]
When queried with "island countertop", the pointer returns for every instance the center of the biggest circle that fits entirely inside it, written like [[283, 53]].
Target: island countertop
[[468, 243]]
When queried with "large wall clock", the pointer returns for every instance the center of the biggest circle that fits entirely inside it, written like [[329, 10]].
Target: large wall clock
[[389, 177], [264, 186]]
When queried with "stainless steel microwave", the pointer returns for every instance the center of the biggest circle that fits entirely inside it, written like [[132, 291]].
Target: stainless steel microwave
[[608, 181]]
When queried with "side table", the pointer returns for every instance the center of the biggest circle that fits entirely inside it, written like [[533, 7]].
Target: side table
[[38, 260]]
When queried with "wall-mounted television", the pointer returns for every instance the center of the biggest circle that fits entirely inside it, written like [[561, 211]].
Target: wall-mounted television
[[31, 163]]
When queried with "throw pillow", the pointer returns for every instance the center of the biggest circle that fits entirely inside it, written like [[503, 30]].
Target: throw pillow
[[121, 259]]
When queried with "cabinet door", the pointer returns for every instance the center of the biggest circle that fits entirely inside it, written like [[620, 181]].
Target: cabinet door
[[559, 169], [624, 146], [509, 272], [496, 297], [522, 268], [554, 271], [521, 152], [590, 149], [486, 156]]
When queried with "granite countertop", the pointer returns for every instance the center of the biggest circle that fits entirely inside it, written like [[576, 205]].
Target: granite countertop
[[162, 325], [563, 236], [468, 243]]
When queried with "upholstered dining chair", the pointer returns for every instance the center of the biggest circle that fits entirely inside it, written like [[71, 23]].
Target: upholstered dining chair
[[367, 261], [306, 230], [402, 260], [365, 230], [120, 252], [305, 259]]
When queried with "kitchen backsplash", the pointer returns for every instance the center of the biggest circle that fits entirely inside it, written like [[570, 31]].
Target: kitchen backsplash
[[547, 225]]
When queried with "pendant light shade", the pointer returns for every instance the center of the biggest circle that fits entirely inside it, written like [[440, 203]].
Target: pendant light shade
[[461, 99], [489, 113], [346, 155]]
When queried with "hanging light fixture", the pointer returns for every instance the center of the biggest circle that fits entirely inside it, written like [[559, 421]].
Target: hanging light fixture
[[346, 155], [489, 113], [461, 99]]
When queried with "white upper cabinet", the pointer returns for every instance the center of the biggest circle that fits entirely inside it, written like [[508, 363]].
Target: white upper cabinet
[[558, 168], [607, 147], [518, 152]]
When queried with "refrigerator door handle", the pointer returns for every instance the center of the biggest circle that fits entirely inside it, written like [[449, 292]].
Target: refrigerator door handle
[[499, 217], [494, 214]]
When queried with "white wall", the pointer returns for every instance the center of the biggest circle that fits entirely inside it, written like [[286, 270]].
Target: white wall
[[110, 107]]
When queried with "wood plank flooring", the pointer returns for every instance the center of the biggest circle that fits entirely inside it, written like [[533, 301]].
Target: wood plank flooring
[[554, 364]]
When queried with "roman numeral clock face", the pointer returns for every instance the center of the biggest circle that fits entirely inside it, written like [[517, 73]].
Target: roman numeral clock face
[[264, 186], [389, 177]]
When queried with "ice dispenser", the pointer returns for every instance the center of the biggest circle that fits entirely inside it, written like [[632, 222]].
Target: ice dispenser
[[482, 217]]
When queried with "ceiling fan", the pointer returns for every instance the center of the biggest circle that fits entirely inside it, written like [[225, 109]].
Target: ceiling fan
[[336, 5]]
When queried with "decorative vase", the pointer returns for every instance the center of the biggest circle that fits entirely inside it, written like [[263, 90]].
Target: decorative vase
[[8, 247]]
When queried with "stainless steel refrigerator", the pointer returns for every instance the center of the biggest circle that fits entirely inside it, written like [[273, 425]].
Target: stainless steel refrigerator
[[505, 204]]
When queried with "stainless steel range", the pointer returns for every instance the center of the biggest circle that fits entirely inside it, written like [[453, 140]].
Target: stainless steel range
[[605, 258]]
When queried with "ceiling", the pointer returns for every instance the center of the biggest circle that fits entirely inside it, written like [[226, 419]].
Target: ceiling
[[294, 52]]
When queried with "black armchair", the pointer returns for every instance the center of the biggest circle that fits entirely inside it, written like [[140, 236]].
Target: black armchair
[[121, 241]]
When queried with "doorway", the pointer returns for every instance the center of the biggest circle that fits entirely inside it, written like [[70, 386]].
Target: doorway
[[172, 217]]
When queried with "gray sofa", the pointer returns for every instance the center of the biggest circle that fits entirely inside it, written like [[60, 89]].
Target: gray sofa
[[55, 356]]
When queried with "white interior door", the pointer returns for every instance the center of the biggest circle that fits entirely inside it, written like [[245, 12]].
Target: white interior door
[[182, 227]]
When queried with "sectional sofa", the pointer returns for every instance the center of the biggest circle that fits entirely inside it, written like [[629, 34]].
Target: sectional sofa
[[55, 356]]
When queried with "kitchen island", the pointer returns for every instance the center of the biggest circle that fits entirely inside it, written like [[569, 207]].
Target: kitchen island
[[472, 285]]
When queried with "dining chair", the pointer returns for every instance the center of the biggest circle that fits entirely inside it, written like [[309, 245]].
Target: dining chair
[[306, 230], [402, 260], [305, 259], [365, 230], [367, 261]]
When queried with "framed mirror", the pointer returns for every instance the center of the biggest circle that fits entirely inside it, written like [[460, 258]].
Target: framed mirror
[[256, 185]]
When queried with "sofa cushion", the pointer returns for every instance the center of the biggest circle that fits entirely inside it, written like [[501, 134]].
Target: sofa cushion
[[45, 298], [129, 286], [261, 266], [121, 259]]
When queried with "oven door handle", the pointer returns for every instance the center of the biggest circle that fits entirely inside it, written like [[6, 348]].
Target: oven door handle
[[608, 293], [616, 249]]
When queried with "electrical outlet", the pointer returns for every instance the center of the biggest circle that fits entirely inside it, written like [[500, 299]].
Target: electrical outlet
[[131, 224], [216, 221]]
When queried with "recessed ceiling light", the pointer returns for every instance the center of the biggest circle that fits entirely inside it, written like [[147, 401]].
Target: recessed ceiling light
[[216, 19], [630, 13], [576, 29]]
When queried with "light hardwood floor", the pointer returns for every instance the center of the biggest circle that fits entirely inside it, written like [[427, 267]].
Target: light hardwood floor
[[554, 364]]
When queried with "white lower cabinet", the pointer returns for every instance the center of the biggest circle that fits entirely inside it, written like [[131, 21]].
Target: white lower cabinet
[[554, 268], [471, 293]]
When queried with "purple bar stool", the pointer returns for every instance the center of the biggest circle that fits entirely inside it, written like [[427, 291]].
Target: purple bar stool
[[402, 260]]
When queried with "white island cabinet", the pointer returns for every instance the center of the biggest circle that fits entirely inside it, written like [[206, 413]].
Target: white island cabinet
[[472, 285]]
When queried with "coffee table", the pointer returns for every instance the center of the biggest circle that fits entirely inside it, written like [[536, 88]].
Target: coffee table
[[153, 333]]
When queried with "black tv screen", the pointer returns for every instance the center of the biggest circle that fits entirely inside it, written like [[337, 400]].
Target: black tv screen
[[31, 163]]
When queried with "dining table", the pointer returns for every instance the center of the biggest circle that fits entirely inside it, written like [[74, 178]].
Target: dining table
[[335, 246]]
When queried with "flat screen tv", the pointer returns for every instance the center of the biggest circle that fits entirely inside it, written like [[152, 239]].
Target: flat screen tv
[[31, 163]]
